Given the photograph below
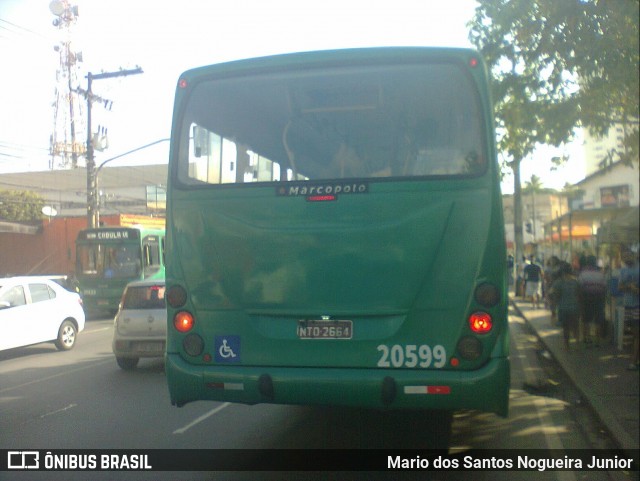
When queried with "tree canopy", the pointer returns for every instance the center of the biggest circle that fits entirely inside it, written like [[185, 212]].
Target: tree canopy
[[20, 206], [560, 64], [557, 65], [534, 184]]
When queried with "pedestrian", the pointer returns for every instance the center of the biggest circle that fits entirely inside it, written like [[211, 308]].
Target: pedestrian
[[593, 290], [629, 282], [510, 267], [552, 273], [520, 277], [533, 277], [565, 291]]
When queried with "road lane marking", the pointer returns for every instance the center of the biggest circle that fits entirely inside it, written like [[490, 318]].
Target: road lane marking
[[53, 376], [58, 411], [201, 418], [96, 330]]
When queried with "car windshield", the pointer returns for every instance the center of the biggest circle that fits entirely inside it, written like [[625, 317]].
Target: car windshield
[[144, 297]]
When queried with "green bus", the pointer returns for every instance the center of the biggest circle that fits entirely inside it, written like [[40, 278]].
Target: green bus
[[108, 258], [335, 233]]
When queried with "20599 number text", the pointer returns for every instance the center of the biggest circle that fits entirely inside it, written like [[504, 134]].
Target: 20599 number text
[[412, 355]]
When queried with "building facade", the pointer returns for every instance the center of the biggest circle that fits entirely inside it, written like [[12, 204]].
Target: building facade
[[601, 151], [607, 197], [129, 196], [132, 189]]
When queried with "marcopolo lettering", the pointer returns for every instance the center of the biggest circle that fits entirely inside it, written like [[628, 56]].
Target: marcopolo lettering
[[333, 188]]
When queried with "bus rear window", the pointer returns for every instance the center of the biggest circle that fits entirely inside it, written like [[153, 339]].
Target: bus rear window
[[144, 297], [374, 122]]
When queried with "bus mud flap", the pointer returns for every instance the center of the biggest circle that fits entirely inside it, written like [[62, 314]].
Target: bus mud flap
[[388, 390], [265, 386]]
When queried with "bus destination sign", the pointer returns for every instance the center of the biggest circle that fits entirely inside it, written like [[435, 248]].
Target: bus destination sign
[[109, 234]]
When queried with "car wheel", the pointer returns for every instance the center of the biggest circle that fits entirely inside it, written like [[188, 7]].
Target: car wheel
[[66, 336], [127, 363]]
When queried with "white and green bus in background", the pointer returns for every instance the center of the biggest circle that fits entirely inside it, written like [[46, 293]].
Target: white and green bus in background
[[108, 258]]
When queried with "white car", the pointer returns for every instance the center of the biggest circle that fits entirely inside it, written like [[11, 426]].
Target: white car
[[35, 310], [140, 326]]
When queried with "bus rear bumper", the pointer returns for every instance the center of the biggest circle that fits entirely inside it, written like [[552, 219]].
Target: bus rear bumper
[[485, 389]]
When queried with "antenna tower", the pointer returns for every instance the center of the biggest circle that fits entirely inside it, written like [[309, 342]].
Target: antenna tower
[[69, 128]]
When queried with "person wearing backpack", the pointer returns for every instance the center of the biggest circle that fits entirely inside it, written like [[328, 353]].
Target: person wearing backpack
[[593, 289]]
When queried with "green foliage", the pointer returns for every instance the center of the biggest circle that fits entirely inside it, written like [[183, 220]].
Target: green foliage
[[533, 185], [560, 64], [20, 206]]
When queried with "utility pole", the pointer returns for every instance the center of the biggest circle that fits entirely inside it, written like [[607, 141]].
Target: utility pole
[[93, 220]]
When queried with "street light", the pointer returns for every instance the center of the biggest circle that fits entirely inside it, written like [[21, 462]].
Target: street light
[[97, 172]]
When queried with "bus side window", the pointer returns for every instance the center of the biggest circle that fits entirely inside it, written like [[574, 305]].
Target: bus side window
[[153, 256], [146, 255]]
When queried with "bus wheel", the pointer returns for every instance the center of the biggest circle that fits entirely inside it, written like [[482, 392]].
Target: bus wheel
[[127, 363], [66, 336]]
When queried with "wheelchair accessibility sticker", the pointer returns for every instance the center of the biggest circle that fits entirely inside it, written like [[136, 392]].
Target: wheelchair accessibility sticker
[[227, 348]]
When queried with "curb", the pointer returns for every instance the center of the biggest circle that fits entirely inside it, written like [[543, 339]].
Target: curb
[[624, 442]]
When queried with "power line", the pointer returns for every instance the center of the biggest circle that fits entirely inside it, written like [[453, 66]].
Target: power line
[[11, 149], [14, 155], [22, 30]]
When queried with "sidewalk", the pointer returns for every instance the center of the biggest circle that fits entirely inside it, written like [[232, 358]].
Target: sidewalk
[[599, 373]]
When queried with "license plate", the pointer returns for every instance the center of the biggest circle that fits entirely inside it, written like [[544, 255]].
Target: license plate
[[321, 329], [149, 347]]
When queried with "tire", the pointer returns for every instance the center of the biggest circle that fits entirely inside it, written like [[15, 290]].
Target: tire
[[66, 336], [127, 363]]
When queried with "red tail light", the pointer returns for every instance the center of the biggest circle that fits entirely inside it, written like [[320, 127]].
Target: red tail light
[[183, 321], [480, 322]]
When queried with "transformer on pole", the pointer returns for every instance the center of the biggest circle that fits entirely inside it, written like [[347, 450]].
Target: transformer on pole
[[93, 204]]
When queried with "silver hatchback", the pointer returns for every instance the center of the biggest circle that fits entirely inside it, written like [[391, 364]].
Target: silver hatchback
[[140, 326]]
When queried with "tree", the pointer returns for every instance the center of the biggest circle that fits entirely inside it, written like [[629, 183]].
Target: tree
[[534, 184], [557, 65], [20, 206]]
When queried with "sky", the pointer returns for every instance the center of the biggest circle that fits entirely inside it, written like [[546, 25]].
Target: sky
[[166, 38]]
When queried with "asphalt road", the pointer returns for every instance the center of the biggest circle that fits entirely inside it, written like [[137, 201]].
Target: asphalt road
[[81, 400]]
